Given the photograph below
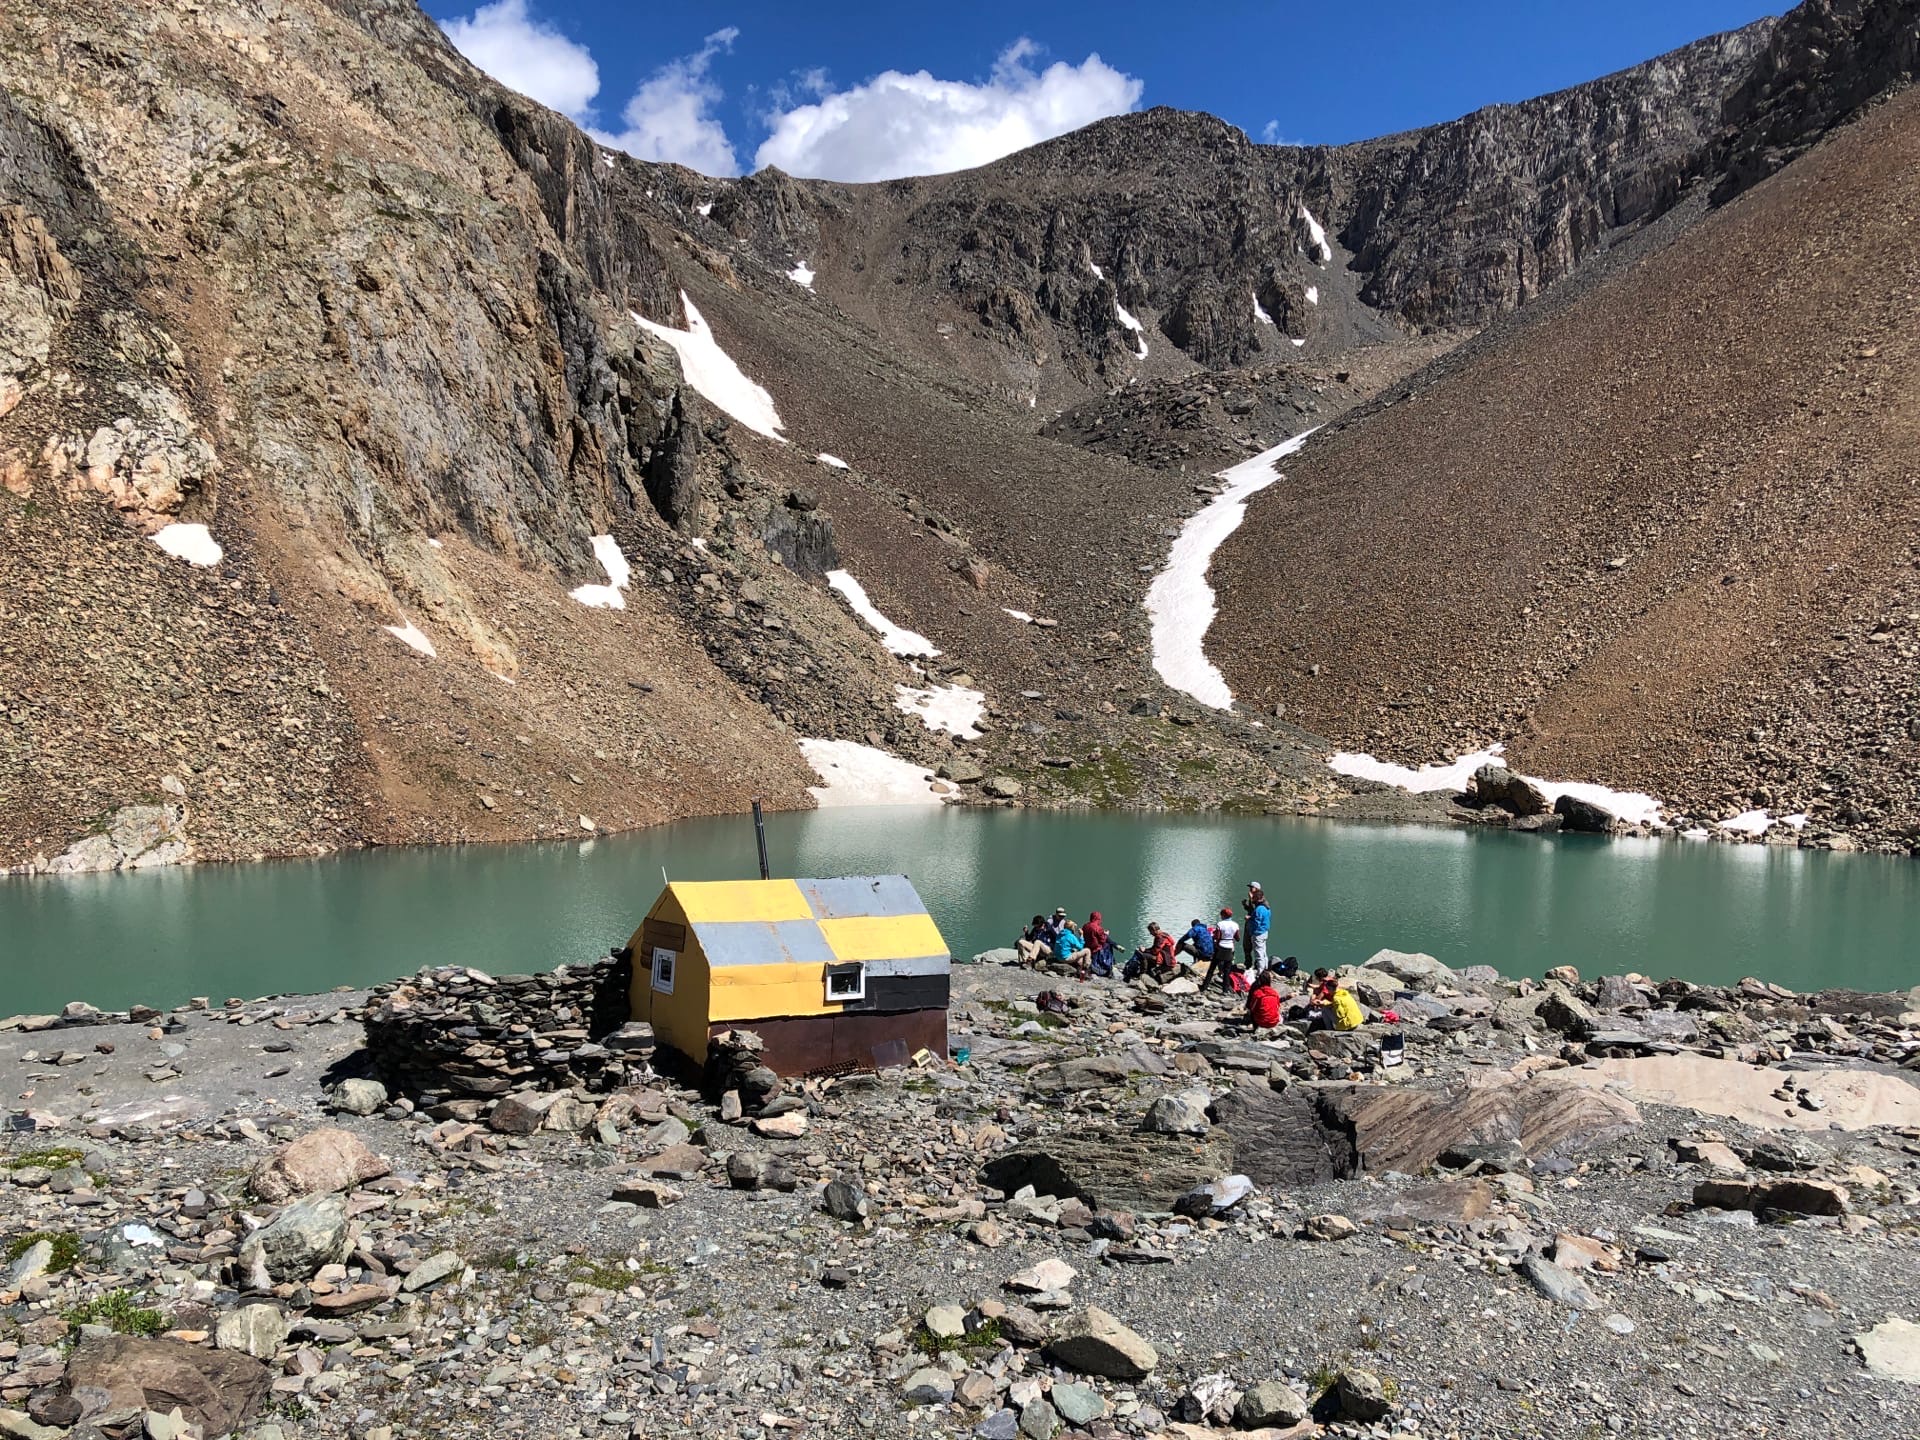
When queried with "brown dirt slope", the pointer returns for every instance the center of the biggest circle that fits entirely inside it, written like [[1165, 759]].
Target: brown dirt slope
[[1670, 540]]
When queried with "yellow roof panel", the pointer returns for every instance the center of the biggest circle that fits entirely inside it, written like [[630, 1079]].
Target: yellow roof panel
[[706, 901], [883, 937]]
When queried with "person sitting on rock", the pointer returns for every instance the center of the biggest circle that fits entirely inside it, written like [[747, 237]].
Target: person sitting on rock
[[1197, 942], [1156, 955], [1099, 959], [1035, 942], [1263, 1003], [1067, 943]]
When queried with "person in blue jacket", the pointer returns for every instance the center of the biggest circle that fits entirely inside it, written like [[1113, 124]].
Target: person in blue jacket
[[1197, 942], [1259, 922]]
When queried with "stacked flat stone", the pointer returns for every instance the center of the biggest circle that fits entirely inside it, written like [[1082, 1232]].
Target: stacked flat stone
[[449, 1032]]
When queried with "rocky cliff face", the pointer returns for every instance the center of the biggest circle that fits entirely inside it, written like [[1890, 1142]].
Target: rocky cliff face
[[291, 271]]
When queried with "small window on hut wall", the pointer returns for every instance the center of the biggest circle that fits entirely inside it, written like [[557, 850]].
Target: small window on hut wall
[[846, 982], [664, 963]]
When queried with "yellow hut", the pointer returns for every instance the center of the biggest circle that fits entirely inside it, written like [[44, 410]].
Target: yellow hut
[[829, 973]]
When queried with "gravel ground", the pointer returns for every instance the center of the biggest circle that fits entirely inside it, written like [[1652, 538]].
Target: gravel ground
[[564, 1312]]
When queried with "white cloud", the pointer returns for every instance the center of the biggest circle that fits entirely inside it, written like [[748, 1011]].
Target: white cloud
[[897, 124], [670, 117], [528, 55]]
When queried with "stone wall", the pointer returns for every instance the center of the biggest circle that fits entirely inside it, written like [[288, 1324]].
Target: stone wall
[[449, 1032]]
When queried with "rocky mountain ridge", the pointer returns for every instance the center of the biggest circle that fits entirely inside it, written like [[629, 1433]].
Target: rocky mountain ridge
[[292, 271]]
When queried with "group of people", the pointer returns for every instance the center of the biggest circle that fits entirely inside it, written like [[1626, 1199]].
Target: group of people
[[1234, 953]]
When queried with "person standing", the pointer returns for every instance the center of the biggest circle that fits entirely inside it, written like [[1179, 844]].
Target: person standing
[[1226, 940], [1259, 923]]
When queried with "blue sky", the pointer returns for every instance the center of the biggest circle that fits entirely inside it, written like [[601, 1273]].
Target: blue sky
[[837, 89]]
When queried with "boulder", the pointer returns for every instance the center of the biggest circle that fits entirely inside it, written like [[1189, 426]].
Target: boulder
[[1497, 785], [319, 1162], [1558, 1285], [1413, 970], [1078, 1404], [1326, 1227], [1114, 1170], [647, 1194], [256, 1330], [306, 1235], [928, 1387], [1562, 1012], [844, 1200], [1216, 1197], [524, 1112], [1361, 1396], [1184, 1113], [1042, 1277], [1794, 1194], [358, 1097], [1270, 1403], [1094, 1343], [678, 1162], [214, 1389], [1583, 817], [431, 1271], [1279, 1140], [1891, 1350], [1390, 1128], [946, 1322]]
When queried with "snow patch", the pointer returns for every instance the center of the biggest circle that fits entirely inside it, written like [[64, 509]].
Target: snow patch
[[834, 460], [949, 709], [1298, 343], [1450, 776], [1098, 273], [435, 543], [705, 207], [410, 636], [190, 543], [802, 275], [1022, 616], [1758, 822], [712, 372], [1260, 312], [1317, 247], [1313, 294], [1180, 602], [855, 774], [1139, 331], [1630, 806], [896, 639], [607, 597]]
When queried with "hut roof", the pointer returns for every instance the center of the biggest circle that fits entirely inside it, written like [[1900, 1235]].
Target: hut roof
[[871, 918]]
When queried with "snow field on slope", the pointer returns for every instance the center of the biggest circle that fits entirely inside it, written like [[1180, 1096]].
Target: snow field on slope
[[191, 543], [1318, 249], [1630, 805], [855, 774], [1260, 312], [949, 709], [712, 372], [606, 597], [832, 460], [1126, 316], [802, 275], [898, 640], [1180, 602]]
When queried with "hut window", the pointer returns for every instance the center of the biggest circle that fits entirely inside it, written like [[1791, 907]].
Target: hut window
[[663, 964], [846, 982]]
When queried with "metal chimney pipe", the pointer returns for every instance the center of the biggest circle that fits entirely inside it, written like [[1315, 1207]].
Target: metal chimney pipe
[[760, 838]]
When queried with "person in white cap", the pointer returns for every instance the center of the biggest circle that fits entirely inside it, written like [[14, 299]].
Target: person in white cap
[[1259, 922]]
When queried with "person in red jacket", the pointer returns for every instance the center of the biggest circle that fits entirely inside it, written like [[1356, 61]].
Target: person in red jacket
[[1263, 1003]]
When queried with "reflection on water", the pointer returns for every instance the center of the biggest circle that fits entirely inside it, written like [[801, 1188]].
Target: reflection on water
[[1339, 892]]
